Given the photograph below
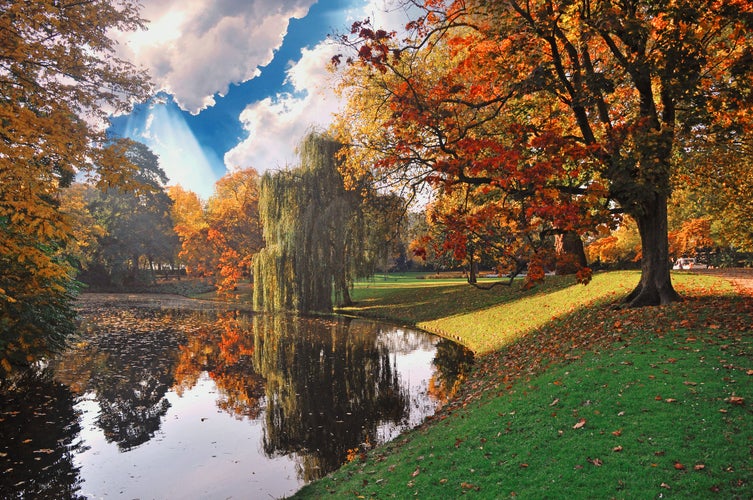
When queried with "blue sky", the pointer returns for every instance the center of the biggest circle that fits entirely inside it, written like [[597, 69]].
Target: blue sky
[[240, 81]]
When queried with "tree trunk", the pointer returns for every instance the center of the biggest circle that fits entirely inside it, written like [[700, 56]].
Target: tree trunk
[[655, 287], [472, 267], [570, 253]]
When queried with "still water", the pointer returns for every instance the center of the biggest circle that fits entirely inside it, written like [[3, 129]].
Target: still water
[[155, 403]]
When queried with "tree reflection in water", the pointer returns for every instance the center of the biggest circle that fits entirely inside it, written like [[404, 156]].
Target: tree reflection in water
[[38, 438], [329, 385], [128, 366], [317, 387]]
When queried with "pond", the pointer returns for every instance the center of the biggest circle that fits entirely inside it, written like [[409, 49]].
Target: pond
[[175, 403]]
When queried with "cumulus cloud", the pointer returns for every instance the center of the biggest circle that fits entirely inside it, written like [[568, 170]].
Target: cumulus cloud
[[275, 125], [195, 49]]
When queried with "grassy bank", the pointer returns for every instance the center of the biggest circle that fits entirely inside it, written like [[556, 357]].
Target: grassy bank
[[572, 398]]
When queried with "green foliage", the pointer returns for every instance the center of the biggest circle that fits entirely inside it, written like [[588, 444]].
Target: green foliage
[[315, 230], [36, 322], [137, 226]]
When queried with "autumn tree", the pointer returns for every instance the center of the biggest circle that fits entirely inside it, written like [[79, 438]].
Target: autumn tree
[[191, 226], [59, 80], [235, 231], [220, 238], [531, 94], [713, 183]]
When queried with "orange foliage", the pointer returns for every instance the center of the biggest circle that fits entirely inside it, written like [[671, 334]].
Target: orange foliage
[[220, 240]]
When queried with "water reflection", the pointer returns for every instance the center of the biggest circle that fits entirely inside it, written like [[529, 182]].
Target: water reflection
[[329, 386], [38, 438], [290, 394]]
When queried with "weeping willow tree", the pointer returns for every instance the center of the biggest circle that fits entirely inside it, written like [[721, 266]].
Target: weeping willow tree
[[318, 238]]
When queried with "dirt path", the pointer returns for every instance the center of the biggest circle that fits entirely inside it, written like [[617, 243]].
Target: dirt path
[[741, 278]]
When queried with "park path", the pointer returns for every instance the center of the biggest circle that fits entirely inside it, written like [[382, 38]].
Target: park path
[[741, 278]]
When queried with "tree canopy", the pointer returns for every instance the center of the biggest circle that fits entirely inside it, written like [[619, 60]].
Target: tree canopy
[[137, 226], [59, 80], [562, 113], [318, 238]]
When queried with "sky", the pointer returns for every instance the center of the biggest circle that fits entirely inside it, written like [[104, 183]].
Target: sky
[[239, 82]]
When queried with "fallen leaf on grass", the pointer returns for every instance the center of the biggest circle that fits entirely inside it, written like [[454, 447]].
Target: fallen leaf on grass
[[617, 449], [556, 400], [580, 423], [699, 466], [416, 472], [735, 400], [679, 466], [665, 485], [469, 486], [617, 433], [596, 461]]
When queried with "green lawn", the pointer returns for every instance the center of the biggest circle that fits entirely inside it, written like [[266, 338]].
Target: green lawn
[[572, 398]]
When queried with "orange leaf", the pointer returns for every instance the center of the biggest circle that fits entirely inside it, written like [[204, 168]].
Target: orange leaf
[[580, 423]]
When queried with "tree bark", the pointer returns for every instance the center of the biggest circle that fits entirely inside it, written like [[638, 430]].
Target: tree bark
[[655, 287], [472, 267], [570, 253]]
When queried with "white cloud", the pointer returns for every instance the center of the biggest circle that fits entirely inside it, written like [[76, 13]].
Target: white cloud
[[195, 49], [275, 126]]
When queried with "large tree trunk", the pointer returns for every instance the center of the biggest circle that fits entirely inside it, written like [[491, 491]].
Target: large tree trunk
[[570, 253], [655, 286]]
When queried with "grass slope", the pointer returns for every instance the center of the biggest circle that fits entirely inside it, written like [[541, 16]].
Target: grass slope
[[579, 401]]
